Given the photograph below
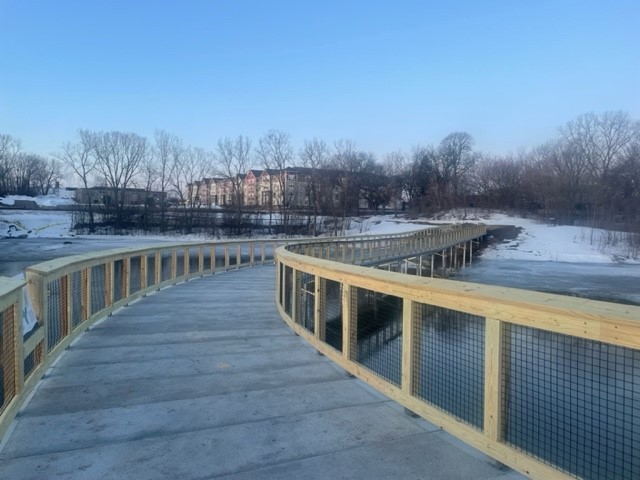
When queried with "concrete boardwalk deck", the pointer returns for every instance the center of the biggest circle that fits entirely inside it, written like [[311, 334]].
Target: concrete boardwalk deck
[[203, 380]]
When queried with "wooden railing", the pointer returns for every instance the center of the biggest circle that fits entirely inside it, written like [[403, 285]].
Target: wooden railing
[[372, 249], [71, 293], [543, 383], [546, 384], [11, 374]]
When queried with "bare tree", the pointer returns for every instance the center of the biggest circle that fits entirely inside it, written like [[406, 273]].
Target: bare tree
[[191, 165], [499, 182], [456, 159], [79, 158], [422, 178], [24, 170], [601, 139], [396, 167], [234, 160], [166, 147], [314, 156], [119, 157], [351, 164], [276, 154], [9, 150], [47, 176]]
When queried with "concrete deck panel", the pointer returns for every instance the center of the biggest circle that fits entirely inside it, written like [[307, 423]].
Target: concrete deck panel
[[203, 380]]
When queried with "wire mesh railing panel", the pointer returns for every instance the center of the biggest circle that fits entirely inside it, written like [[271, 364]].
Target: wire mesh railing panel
[[572, 403], [448, 369], [194, 260], [118, 281], [76, 298], [257, 252], [98, 288], [331, 311], [269, 252], [55, 330], [233, 256], [288, 290], [206, 259], [165, 265], [135, 274], [379, 333], [245, 254], [151, 270], [8, 387], [180, 263], [219, 256], [32, 360], [305, 302]]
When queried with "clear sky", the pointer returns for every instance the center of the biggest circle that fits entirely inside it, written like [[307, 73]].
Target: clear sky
[[389, 75]]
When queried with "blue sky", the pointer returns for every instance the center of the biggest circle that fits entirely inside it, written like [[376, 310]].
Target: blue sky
[[389, 75]]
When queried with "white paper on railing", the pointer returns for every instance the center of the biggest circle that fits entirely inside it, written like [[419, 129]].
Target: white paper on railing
[[29, 321]]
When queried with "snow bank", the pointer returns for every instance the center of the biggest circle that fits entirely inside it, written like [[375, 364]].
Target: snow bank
[[544, 242], [538, 241], [382, 225], [64, 197], [34, 224]]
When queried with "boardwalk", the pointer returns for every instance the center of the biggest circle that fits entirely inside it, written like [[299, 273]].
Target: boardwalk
[[203, 380]]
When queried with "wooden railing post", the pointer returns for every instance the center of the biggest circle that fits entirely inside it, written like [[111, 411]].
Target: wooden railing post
[[108, 283], [349, 323], [39, 292], [493, 379], [279, 280], [126, 277], [86, 292], [407, 347], [174, 263], [143, 271], [17, 318], [294, 294], [319, 326], [158, 268]]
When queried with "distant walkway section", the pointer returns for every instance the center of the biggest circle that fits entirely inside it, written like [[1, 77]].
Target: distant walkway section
[[204, 380]]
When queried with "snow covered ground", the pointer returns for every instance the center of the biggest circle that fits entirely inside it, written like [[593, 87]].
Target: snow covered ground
[[34, 224], [547, 242], [61, 197], [558, 259], [536, 242]]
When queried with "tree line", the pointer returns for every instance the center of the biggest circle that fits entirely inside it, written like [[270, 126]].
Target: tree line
[[589, 172], [24, 173]]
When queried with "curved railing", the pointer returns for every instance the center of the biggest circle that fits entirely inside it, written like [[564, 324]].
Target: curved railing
[[70, 293], [547, 384], [544, 383]]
